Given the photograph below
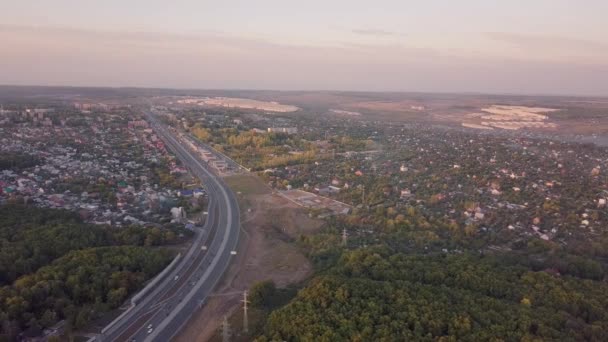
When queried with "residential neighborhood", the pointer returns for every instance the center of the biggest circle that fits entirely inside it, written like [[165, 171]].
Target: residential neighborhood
[[109, 168]]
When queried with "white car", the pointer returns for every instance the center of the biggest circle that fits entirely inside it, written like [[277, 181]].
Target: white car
[[150, 330]]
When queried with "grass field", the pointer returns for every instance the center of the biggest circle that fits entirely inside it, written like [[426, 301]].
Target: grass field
[[247, 185]]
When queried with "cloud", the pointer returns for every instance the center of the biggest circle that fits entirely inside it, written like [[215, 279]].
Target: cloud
[[68, 56], [122, 37], [213, 45], [376, 32], [548, 42]]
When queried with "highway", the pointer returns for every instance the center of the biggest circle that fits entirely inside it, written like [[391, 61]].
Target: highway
[[161, 314]]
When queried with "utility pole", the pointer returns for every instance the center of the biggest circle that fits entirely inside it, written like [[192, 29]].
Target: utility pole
[[225, 330], [245, 318], [363, 196]]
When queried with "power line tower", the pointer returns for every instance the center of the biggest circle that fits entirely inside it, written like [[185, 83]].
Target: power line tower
[[225, 330], [344, 237], [245, 317]]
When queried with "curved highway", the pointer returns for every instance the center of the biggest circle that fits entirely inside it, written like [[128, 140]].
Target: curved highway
[[161, 314]]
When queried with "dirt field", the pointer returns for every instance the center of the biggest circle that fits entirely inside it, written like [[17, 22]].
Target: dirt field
[[266, 251], [231, 102]]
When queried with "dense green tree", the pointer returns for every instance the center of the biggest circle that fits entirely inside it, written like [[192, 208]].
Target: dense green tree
[[54, 267], [376, 295], [262, 293]]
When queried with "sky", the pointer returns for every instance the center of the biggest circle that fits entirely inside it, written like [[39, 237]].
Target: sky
[[515, 46]]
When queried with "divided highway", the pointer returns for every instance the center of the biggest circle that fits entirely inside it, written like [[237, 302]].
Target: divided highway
[[161, 314]]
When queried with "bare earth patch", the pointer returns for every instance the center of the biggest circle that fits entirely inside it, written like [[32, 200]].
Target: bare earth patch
[[266, 251], [232, 102], [510, 117]]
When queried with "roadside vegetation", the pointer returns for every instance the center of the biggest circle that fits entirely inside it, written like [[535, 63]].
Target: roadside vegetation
[[54, 267]]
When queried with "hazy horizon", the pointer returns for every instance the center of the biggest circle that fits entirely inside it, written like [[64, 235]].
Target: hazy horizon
[[542, 47]]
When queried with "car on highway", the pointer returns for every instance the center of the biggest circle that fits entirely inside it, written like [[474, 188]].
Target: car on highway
[[214, 252]]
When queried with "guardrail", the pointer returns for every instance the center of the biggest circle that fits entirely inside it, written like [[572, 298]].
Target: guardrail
[[155, 281], [184, 309], [143, 291]]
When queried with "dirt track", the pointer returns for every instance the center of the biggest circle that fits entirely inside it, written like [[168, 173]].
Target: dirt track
[[266, 251]]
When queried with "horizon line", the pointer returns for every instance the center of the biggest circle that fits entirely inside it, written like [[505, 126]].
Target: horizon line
[[447, 92]]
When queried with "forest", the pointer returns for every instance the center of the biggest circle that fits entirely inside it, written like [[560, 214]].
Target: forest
[[258, 151], [374, 294], [54, 267], [17, 161]]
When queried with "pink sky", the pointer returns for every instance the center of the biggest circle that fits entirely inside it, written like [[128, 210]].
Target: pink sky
[[557, 47]]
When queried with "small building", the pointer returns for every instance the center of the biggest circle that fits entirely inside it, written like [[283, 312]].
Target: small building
[[405, 193], [286, 130], [137, 124]]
